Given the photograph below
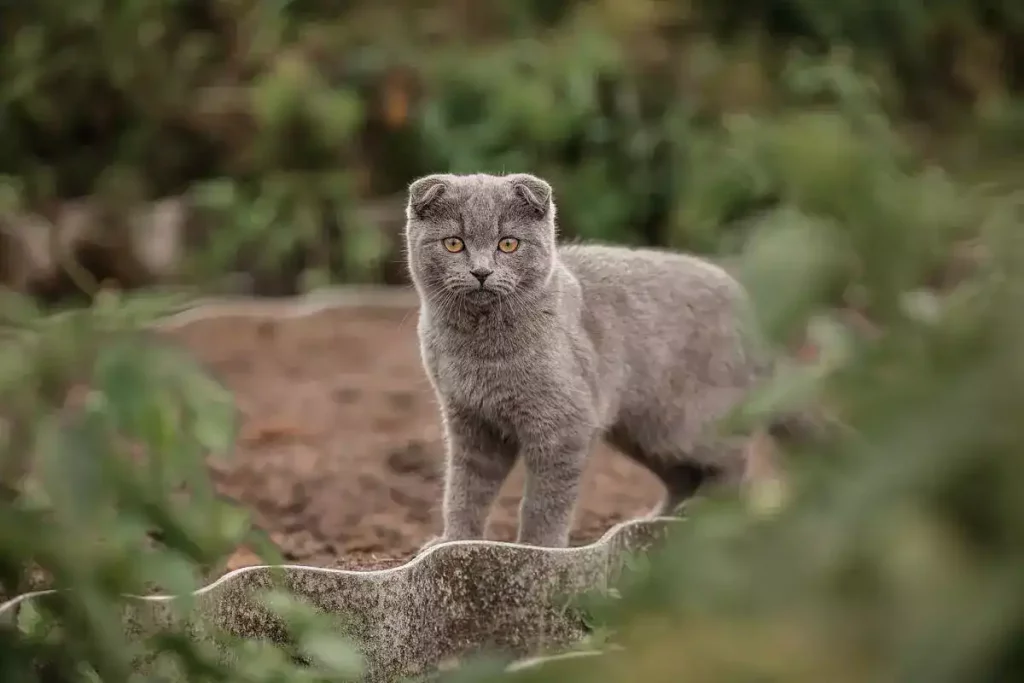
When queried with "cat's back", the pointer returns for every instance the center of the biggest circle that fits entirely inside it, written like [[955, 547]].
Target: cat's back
[[629, 279], [656, 310]]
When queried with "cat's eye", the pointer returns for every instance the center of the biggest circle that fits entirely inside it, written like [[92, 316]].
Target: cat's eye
[[508, 244], [454, 244]]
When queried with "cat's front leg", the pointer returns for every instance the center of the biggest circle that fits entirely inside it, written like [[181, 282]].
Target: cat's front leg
[[553, 475], [478, 462]]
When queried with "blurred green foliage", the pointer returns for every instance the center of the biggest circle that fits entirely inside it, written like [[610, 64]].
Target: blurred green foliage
[[898, 552], [853, 157], [104, 435], [282, 119]]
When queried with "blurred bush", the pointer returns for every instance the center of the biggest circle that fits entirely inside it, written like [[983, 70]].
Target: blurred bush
[[897, 554], [277, 122], [104, 434]]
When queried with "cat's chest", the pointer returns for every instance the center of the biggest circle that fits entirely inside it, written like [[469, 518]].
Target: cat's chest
[[490, 384], [458, 372]]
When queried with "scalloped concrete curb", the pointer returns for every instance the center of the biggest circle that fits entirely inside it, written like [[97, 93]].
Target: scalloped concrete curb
[[453, 600]]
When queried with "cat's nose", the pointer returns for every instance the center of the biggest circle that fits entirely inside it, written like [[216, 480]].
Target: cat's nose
[[481, 274]]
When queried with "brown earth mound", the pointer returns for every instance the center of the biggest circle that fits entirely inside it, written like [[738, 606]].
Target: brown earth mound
[[340, 457]]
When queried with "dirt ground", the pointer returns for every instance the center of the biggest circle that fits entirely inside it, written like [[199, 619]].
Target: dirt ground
[[340, 457]]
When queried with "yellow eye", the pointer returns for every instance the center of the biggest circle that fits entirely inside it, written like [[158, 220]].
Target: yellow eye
[[454, 244], [508, 245]]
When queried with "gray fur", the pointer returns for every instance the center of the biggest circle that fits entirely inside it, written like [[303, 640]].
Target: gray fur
[[567, 345]]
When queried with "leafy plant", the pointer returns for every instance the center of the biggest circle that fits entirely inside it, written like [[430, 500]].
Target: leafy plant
[[897, 554], [106, 431]]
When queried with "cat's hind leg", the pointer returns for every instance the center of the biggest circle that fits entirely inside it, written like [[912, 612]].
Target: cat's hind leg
[[682, 481], [693, 475], [685, 473]]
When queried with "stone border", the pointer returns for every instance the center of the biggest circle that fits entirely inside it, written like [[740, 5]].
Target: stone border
[[453, 600]]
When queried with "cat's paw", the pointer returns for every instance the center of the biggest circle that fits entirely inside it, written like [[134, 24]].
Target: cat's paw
[[436, 540]]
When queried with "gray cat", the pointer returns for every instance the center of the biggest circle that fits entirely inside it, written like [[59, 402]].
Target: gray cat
[[535, 351]]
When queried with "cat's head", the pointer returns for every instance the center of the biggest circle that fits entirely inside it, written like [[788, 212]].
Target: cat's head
[[480, 238]]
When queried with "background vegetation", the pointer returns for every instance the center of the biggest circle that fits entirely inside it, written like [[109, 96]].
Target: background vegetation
[[315, 116], [857, 161]]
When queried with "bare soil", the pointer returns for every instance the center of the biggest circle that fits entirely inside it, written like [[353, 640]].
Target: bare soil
[[340, 456]]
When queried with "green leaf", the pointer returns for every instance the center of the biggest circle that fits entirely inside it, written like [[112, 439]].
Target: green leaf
[[72, 470], [333, 655], [30, 620]]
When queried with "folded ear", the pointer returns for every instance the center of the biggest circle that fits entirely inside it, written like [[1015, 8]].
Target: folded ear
[[424, 192], [534, 192]]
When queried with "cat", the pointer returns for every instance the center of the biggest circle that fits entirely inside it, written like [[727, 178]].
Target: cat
[[537, 350]]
